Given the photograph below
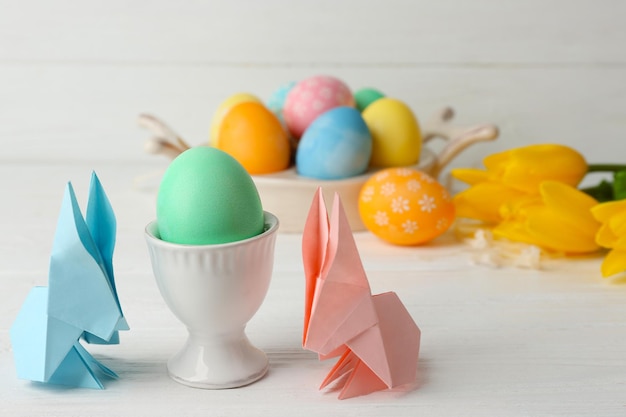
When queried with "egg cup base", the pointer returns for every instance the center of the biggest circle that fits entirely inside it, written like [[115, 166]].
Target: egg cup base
[[222, 362]]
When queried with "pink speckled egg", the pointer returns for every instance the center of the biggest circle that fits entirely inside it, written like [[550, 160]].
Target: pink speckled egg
[[311, 97]]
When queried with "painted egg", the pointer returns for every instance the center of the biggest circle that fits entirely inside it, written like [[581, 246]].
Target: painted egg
[[396, 135], [405, 206], [207, 197], [276, 101], [310, 98], [366, 96], [254, 136], [221, 111], [336, 145]]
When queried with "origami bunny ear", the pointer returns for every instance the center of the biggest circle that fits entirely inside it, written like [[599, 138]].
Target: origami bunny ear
[[338, 304], [101, 222], [80, 292], [314, 244]]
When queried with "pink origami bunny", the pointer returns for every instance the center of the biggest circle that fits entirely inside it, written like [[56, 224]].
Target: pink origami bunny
[[375, 336]]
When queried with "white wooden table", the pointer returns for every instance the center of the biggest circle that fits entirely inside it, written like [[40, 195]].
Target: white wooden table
[[495, 342]]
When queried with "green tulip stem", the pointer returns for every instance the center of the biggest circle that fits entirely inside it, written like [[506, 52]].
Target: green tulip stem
[[608, 190], [605, 167]]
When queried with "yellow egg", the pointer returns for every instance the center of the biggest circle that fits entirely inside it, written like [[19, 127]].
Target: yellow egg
[[405, 206], [221, 111], [396, 135]]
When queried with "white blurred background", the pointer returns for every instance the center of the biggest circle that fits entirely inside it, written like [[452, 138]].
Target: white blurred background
[[75, 74]]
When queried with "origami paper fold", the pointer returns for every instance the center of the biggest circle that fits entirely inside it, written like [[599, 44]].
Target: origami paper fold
[[374, 336], [80, 301]]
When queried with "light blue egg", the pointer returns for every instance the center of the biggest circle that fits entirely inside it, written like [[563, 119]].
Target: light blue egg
[[276, 101], [336, 145]]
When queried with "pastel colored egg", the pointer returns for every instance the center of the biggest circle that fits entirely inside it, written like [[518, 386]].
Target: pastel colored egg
[[396, 135], [310, 98], [276, 101], [207, 197], [254, 136], [405, 206], [221, 111], [336, 145], [366, 96]]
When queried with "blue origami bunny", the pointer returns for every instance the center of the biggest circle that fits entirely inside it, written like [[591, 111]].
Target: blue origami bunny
[[80, 300]]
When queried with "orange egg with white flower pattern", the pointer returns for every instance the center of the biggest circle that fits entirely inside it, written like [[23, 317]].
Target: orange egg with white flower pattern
[[405, 206]]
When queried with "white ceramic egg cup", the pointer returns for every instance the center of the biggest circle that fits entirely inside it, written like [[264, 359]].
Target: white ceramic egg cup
[[215, 290]]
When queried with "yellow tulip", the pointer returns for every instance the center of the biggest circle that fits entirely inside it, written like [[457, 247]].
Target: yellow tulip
[[558, 219], [514, 175], [612, 235], [483, 201], [527, 167]]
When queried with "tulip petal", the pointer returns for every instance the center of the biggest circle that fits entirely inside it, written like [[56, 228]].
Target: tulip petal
[[548, 230], [470, 176], [516, 209], [514, 231], [496, 163], [605, 237], [603, 212], [526, 167], [614, 262], [466, 208], [572, 205], [612, 234], [621, 243], [483, 201], [617, 223]]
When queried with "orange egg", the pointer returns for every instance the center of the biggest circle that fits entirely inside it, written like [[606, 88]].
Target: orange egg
[[254, 136], [405, 206], [222, 110]]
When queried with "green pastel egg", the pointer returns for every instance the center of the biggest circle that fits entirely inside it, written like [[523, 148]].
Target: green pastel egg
[[366, 96], [207, 197]]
